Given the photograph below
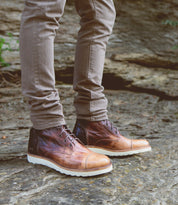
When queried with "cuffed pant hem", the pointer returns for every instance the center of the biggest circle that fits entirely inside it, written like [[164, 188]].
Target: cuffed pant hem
[[93, 118], [46, 125]]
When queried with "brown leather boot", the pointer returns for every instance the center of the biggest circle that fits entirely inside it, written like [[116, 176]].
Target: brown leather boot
[[102, 137], [59, 149]]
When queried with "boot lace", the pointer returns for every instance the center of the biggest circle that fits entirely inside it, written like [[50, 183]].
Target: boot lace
[[111, 127], [69, 136]]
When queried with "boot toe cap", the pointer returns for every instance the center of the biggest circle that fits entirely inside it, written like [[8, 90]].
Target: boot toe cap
[[97, 161], [141, 143]]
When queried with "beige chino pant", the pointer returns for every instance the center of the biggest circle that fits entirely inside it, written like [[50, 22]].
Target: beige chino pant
[[40, 20]]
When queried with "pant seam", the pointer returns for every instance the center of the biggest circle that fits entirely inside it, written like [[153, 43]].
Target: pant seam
[[35, 57], [91, 53]]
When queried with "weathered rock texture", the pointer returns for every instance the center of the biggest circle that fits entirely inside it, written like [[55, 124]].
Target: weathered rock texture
[[140, 58], [145, 179], [140, 53]]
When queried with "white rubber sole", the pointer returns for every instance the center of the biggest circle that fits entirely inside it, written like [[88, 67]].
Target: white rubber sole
[[38, 160], [115, 153]]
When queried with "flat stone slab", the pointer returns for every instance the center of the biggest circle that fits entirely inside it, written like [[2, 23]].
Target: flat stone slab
[[140, 54], [145, 179]]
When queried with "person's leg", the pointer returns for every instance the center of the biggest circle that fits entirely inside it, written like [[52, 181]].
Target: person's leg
[[50, 143], [92, 126], [97, 19], [40, 19]]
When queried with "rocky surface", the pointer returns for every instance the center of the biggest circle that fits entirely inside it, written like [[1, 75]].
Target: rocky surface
[[141, 69], [140, 57], [145, 179]]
